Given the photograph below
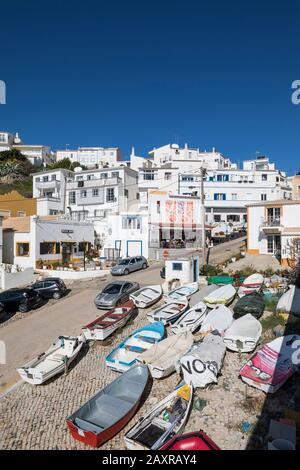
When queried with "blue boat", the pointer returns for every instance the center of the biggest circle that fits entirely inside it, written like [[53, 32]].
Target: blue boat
[[125, 354]]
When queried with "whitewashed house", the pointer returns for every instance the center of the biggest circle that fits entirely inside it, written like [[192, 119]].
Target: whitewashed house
[[274, 229], [26, 240], [2, 215], [49, 188], [92, 156], [38, 155]]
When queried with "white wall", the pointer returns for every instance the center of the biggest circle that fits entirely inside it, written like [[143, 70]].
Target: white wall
[[11, 280]]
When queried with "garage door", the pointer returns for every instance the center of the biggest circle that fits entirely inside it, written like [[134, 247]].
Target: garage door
[[134, 248]]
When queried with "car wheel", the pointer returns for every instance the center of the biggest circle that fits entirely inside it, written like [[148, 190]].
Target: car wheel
[[56, 295], [144, 266], [126, 271], [23, 308]]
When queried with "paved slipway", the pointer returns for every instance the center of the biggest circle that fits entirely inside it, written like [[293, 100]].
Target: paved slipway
[[34, 417]]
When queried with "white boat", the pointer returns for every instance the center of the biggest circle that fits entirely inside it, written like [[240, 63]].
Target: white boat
[[251, 284], [165, 420], [109, 322], [202, 364], [290, 302], [55, 360], [125, 354], [191, 319], [199, 296], [162, 357], [220, 319], [185, 291], [243, 335], [224, 295], [169, 312], [146, 296]]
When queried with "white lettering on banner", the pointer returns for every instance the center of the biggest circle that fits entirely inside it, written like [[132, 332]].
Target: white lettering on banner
[[296, 94]]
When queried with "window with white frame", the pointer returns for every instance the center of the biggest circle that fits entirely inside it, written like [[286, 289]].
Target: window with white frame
[[83, 193], [110, 194], [72, 197], [95, 192]]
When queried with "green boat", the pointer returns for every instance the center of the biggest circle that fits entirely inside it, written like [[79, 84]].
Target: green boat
[[224, 280]]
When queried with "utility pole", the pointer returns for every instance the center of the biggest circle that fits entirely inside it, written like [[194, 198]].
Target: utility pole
[[203, 231]]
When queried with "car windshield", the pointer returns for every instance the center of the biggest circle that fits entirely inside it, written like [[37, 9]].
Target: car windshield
[[123, 262], [112, 289]]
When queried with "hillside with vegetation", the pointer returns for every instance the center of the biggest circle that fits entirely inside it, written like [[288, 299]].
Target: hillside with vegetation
[[16, 172]]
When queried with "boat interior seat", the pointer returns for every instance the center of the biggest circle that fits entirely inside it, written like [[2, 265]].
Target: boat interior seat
[[87, 426], [57, 357]]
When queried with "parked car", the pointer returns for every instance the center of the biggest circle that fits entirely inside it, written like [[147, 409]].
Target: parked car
[[20, 299], [128, 265], [115, 293], [163, 272], [50, 288]]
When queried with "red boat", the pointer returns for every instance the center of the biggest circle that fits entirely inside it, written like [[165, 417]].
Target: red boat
[[105, 414], [111, 321], [191, 441]]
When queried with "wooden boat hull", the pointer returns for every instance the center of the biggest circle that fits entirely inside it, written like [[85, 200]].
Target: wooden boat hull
[[185, 291], [131, 437], [164, 314], [243, 335], [102, 328], [141, 301], [190, 320], [87, 424], [121, 359], [31, 375], [222, 296]]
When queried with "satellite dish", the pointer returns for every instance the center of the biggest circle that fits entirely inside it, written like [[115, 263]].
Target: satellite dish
[[175, 146], [77, 169]]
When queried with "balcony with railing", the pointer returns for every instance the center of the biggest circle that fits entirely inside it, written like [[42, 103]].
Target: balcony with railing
[[271, 224]]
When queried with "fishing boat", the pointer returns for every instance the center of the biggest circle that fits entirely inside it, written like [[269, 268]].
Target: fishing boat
[[220, 318], [146, 296], [105, 414], [191, 319], [290, 302], [201, 365], [270, 367], [162, 357], [243, 335], [169, 312], [126, 353], [185, 291], [224, 295], [191, 441], [108, 323], [199, 296], [165, 420], [251, 284], [251, 303], [55, 360]]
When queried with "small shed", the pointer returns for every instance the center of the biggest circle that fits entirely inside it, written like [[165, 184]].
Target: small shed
[[184, 269]]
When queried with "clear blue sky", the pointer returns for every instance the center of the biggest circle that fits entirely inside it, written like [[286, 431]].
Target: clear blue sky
[[148, 73]]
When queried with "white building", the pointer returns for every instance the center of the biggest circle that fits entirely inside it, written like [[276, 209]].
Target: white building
[[175, 221], [49, 188], [90, 195], [227, 189], [274, 229], [127, 234], [92, 156], [26, 240], [38, 155]]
